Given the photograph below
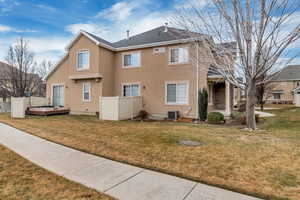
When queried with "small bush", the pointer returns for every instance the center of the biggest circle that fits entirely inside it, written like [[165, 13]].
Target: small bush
[[202, 104], [215, 118], [237, 115], [143, 114]]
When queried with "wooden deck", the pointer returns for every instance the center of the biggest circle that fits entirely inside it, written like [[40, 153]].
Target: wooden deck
[[46, 111]]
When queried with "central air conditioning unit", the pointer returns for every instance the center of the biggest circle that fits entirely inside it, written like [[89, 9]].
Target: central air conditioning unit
[[174, 115]]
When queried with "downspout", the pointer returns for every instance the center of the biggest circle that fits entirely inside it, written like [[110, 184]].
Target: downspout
[[197, 87]]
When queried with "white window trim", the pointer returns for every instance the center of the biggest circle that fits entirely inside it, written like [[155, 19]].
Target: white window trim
[[133, 83], [90, 94], [129, 53], [77, 63], [176, 82], [52, 89], [178, 63]]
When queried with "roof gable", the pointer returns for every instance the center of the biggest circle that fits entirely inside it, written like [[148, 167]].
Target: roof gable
[[289, 73], [97, 40]]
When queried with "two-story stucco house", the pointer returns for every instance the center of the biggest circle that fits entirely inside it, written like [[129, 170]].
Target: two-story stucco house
[[284, 85], [156, 65]]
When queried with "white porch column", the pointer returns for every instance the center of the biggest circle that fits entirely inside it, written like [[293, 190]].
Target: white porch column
[[210, 93], [228, 99]]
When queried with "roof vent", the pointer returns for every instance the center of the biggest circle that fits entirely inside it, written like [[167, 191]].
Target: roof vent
[[166, 27], [127, 34]]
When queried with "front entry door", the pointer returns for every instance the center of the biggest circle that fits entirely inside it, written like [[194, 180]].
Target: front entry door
[[219, 96], [58, 95]]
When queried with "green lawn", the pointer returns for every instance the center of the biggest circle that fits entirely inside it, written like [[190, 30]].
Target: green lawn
[[20, 179], [262, 163]]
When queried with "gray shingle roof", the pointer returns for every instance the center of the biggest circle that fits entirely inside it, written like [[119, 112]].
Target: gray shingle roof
[[291, 72], [152, 36], [156, 35], [99, 39]]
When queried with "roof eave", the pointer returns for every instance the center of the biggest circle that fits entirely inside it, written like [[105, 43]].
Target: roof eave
[[55, 66], [285, 80], [159, 44]]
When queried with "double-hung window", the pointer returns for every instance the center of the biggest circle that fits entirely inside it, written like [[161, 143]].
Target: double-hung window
[[131, 90], [277, 96], [177, 93], [86, 91], [178, 55], [131, 60], [83, 60]]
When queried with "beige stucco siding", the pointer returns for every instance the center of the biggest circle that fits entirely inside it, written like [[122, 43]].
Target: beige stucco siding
[[152, 76], [107, 69], [73, 91], [84, 43], [77, 105], [286, 87], [60, 76]]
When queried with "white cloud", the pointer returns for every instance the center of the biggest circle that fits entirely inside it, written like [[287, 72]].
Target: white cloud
[[8, 5], [117, 30], [4, 28], [46, 7], [44, 44], [90, 27], [119, 11], [188, 4], [49, 48], [139, 18]]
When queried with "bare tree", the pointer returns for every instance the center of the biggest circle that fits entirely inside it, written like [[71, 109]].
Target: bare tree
[[44, 67], [263, 92], [263, 31], [18, 76]]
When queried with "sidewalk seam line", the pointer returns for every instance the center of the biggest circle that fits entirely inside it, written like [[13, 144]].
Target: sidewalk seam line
[[191, 190], [123, 181]]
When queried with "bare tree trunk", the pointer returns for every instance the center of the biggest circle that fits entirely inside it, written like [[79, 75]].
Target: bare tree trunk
[[262, 106], [250, 106]]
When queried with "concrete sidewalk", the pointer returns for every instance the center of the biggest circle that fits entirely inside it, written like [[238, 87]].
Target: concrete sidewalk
[[125, 182], [264, 114]]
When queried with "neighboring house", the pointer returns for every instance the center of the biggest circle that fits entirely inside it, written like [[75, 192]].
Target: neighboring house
[[284, 85], [38, 85], [156, 65]]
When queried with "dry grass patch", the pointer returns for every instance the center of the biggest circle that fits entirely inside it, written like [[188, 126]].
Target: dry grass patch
[[264, 163], [20, 179]]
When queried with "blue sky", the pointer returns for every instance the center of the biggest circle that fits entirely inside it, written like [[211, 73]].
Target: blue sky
[[49, 25]]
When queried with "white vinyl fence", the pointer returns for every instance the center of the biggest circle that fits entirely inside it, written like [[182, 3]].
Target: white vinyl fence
[[4, 107], [20, 104], [120, 108], [297, 100]]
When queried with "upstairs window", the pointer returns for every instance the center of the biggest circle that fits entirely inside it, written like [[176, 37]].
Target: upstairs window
[[131, 60], [86, 91], [179, 55], [131, 90], [83, 60]]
